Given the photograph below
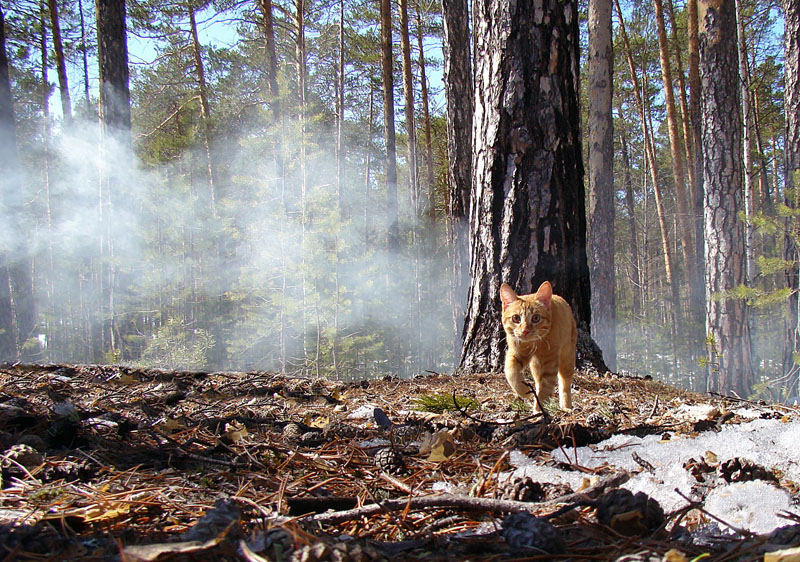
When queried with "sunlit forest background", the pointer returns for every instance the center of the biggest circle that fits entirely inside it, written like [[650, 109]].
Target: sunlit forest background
[[249, 230]]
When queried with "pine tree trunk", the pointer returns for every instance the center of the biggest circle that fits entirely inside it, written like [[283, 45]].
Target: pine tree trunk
[[685, 236], [636, 275], [393, 238], [651, 165], [112, 51], [601, 180], [747, 149], [726, 320], [115, 116], [459, 97], [85, 59], [61, 68], [528, 218], [408, 98], [791, 66], [695, 113], [205, 110], [426, 116]]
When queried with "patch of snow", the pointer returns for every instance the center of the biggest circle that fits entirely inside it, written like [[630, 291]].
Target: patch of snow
[[441, 486], [695, 412], [362, 412], [526, 467], [377, 442], [749, 413], [752, 505], [743, 505]]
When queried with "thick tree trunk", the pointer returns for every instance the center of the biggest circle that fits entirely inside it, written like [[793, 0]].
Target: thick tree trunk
[[393, 230], [112, 51], [726, 318], [601, 180], [115, 117], [791, 66], [527, 213], [459, 96]]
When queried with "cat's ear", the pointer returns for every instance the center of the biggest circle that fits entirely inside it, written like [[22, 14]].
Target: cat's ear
[[507, 295], [545, 294]]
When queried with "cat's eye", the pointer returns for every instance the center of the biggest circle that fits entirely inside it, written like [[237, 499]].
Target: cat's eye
[[516, 319], [536, 319]]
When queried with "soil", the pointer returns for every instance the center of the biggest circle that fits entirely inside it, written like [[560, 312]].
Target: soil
[[117, 463]]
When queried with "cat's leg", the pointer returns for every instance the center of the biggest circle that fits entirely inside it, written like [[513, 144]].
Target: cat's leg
[[516, 378], [545, 383], [566, 369], [565, 390]]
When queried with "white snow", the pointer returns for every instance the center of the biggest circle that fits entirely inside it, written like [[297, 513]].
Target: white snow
[[753, 506]]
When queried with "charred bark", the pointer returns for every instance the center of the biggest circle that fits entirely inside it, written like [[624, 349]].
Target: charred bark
[[527, 211]]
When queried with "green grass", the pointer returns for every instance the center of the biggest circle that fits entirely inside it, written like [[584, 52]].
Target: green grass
[[442, 402]]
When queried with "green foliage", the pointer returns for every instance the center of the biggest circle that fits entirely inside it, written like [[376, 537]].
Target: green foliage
[[439, 403], [173, 346]]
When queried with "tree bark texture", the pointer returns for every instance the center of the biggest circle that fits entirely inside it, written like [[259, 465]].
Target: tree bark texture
[[726, 318], [393, 238], [459, 97], [527, 211], [791, 10], [601, 180], [112, 52]]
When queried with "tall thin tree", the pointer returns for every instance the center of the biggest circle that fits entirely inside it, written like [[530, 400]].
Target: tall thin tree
[[601, 180]]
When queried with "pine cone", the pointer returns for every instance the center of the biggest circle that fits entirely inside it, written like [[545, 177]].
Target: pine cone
[[341, 431], [597, 420], [523, 531], [523, 489], [744, 470], [629, 514], [24, 455], [390, 460], [292, 432]]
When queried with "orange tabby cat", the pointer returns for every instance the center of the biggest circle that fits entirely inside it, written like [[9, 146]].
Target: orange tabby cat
[[541, 333]]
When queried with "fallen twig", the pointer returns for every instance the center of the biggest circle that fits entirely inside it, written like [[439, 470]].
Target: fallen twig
[[464, 502]]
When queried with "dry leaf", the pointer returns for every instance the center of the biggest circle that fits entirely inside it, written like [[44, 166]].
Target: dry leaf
[[169, 425], [125, 378], [674, 555], [235, 432], [443, 446]]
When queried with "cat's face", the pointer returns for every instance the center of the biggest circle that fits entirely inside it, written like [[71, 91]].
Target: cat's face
[[526, 318]]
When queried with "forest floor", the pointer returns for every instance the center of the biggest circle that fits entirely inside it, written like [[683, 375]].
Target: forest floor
[[110, 463]]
